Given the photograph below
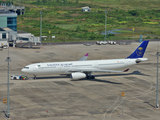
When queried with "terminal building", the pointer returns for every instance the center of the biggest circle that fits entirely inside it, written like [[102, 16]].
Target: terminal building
[[9, 33], [8, 19], [20, 10]]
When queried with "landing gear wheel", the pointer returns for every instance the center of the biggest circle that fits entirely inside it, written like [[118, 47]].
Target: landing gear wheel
[[90, 77]]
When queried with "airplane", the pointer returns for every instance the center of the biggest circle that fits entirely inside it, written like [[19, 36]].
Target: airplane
[[83, 68]]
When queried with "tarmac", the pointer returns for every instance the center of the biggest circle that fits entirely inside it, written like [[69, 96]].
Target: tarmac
[[57, 97]]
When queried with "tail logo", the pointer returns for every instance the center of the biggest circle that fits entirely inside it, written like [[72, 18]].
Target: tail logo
[[140, 51]]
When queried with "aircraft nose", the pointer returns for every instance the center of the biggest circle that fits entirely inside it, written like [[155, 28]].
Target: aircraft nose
[[23, 70]]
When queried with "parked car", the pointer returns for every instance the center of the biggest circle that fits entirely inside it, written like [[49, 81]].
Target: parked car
[[112, 42]]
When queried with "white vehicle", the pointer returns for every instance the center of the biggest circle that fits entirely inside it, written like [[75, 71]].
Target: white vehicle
[[83, 69], [97, 42], [101, 42], [112, 42]]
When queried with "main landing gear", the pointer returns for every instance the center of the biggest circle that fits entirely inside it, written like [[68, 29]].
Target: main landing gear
[[89, 76]]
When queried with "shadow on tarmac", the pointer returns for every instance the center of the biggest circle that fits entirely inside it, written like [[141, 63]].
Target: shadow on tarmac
[[122, 74], [50, 77], [96, 80], [149, 104]]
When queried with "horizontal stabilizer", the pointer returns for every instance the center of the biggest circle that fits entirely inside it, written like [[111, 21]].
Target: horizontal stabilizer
[[141, 59], [126, 70]]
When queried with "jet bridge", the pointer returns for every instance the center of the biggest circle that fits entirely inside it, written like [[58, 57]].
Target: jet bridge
[[24, 38], [17, 38]]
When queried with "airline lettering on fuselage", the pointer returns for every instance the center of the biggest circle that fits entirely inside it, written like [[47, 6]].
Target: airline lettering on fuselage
[[140, 51], [51, 65]]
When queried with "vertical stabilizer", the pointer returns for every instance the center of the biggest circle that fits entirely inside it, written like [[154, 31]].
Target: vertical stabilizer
[[84, 57], [139, 52]]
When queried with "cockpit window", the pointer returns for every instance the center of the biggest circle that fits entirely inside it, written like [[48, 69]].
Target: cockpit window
[[26, 67], [39, 65]]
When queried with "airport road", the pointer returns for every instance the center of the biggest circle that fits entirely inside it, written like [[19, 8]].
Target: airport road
[[55, 97], [93, 42]]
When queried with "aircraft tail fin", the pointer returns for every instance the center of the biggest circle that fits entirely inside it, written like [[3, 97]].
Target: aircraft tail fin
[[84, 57], [139, 52]]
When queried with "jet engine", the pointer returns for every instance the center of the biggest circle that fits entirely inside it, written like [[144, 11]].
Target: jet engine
[[78, 75]]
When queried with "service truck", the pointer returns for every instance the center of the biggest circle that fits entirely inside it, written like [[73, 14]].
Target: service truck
[[19, 77]]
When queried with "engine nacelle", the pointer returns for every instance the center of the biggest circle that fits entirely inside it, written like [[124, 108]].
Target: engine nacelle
[[77, 75]]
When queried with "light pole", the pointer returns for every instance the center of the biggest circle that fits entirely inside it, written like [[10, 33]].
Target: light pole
[[105, 24], [133, 33], [157, 105], [62, 5], [8, 60], [41, 27], [49, 37]]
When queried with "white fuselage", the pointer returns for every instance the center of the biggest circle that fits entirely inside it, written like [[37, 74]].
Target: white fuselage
[[65, 67]]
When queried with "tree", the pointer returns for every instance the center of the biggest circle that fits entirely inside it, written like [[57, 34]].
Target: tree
[[64, 1], [133, 12], [76, 1], [78, 28]]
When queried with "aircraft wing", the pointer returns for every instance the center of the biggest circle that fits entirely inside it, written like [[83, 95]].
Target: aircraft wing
[[95, 70], [84, 58]]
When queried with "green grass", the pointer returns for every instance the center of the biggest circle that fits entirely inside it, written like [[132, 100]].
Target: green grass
[[152, 23], [68, 23], [124, 31], [68, 26], [122, 22]]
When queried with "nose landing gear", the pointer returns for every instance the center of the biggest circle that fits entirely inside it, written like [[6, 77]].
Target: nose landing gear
[[34, 77]]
